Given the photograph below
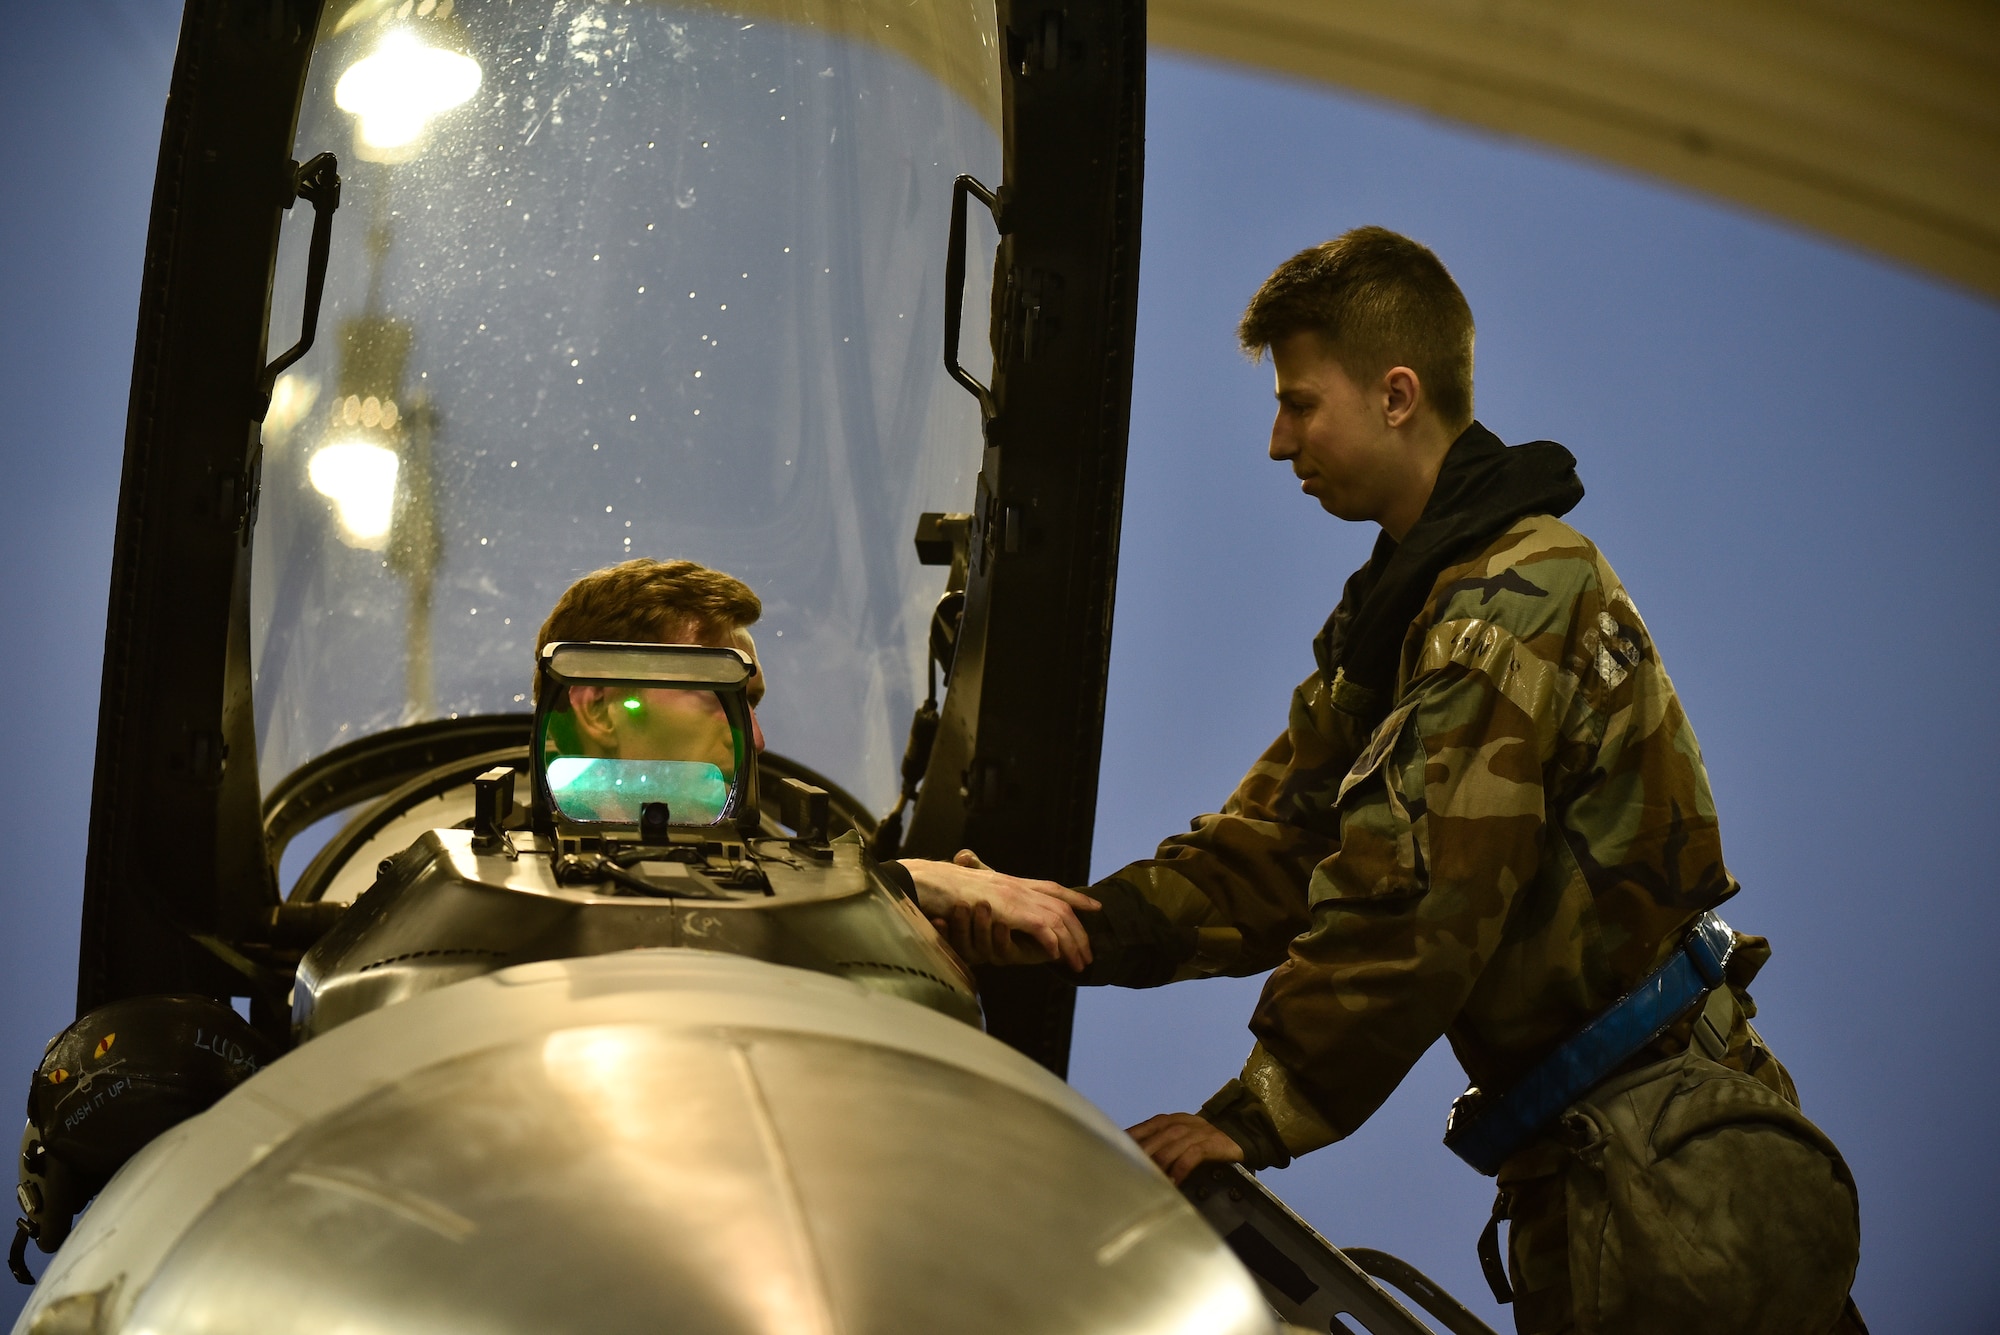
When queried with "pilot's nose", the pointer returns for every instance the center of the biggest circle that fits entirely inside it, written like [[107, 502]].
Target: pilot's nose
[[756, 731]]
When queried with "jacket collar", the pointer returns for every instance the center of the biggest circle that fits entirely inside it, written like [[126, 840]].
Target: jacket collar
[[1483, 487]]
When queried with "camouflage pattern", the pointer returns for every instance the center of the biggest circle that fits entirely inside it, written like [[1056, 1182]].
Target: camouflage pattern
[[1779, 1230], [1494, 850]]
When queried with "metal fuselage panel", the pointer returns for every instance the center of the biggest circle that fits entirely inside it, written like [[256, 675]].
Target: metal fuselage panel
[[653, 1139], [442, 912]]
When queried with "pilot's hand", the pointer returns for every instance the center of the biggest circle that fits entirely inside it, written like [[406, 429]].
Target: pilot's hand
[[1182, 1142], [992, 918]]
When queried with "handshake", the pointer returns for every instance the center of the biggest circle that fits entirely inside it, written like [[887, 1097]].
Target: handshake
[[992, 918]]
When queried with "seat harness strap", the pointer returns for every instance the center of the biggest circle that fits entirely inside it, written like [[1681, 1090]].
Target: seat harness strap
[[1491, 1263], [1497, 1129]]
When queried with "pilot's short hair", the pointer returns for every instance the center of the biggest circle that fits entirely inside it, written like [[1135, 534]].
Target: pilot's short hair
[[643, 601], [1377, 299]]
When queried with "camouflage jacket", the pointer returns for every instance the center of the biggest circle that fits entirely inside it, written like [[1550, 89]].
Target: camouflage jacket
[[1494, 849]]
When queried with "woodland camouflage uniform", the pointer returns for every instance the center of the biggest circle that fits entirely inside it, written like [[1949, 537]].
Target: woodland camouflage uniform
[[1496, 841]]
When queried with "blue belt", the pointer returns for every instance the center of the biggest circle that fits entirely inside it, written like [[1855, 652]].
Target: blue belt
[[1496, 1130]]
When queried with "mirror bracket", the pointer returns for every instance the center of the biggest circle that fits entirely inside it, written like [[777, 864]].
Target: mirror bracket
[[493, 803], [807, 810]]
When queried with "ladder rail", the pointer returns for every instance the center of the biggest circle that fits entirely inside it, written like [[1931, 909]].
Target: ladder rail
[[1307, 1280]]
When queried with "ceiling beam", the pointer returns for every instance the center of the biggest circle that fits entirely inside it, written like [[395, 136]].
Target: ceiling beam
[[1877, 124]]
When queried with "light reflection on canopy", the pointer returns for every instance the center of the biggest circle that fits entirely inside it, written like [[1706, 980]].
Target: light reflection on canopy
[[397, 90], [360, 480]]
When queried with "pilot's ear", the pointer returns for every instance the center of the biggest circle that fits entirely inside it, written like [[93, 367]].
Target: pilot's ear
[[591, 706]]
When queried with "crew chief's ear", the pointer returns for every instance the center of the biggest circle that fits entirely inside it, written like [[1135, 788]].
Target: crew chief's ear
[[596, 726], [1402, 391]]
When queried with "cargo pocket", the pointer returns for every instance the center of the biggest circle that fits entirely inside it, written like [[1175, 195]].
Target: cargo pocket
[[1383, 837], [1699, 1199]]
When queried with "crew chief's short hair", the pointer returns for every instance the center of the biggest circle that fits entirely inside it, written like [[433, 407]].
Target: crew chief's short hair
[[1377, 299], [643, 601]]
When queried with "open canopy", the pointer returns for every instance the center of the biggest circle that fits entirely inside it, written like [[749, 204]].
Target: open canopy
[[611, 281]]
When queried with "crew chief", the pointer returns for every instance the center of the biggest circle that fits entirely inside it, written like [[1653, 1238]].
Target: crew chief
[[1487, 819]]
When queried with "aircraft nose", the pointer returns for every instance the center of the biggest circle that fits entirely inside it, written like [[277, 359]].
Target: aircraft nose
[[716, 1177]]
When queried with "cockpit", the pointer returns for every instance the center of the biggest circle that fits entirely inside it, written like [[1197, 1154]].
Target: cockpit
[[641, 828]]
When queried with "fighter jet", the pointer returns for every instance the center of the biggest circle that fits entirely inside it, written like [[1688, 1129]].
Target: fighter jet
[[397, 1011], [446, 304]]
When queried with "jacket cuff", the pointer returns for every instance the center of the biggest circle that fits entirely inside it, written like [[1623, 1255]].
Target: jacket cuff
[[897, 876], [1236, 1113], [1132, 943], [1299, 1125]]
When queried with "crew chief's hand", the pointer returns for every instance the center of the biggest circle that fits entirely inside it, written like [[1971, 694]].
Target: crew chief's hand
[[992, 918], [1182, 1142]]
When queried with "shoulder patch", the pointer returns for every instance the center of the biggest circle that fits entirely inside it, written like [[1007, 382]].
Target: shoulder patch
[[1509, 580]]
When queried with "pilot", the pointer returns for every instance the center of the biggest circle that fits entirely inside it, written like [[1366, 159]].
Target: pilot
[[644, 601], [612, 748], [1488, 819]]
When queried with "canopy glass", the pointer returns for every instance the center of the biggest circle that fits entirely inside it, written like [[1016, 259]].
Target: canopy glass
[[617, 280]]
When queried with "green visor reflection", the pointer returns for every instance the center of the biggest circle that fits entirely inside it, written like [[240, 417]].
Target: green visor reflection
[[624, 727], [595, 789]]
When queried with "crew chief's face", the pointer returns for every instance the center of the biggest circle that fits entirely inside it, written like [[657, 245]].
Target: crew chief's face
[[1333, 432]]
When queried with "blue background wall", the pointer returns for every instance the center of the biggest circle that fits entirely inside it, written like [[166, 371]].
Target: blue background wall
[[1787, 453]]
